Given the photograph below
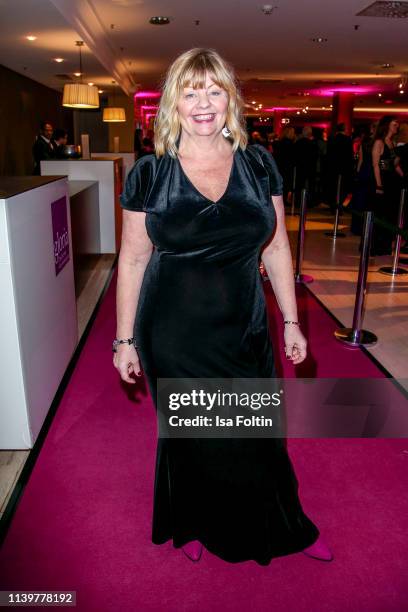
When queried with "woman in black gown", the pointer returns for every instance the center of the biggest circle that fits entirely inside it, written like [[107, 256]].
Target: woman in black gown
[[388, 175], [197, 215]]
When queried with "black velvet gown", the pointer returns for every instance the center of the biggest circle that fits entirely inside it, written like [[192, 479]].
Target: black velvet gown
[[202, 314]]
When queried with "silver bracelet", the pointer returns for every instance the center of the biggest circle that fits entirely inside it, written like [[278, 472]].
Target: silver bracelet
[[116, 342]]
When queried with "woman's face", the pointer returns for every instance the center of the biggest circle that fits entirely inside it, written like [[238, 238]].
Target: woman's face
[[393, 127], [203, 111]]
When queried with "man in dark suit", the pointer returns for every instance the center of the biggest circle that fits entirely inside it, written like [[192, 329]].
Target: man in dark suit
[[43, 148], [340, 161], [306, 155], [59, 140]]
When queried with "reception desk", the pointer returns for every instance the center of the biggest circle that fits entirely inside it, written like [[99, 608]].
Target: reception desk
[[128, 160], [108, 173], [38, 307]]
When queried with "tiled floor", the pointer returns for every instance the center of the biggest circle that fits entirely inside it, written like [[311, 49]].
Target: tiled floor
[[334, 267]]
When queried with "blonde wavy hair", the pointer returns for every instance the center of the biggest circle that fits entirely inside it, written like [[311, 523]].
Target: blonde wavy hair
[[189, 70]]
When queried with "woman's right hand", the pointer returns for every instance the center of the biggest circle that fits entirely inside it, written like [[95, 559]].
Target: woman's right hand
[[126, 361]]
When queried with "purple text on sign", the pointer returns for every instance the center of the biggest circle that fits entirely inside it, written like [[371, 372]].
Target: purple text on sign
[[60, 233]]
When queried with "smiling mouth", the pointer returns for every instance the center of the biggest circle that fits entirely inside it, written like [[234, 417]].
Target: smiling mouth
[[204, 118]]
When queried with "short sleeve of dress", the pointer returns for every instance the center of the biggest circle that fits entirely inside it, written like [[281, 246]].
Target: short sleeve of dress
[[275, 179], [137, 184]]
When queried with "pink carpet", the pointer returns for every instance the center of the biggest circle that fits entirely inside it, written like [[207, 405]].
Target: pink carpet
[[83, 522]]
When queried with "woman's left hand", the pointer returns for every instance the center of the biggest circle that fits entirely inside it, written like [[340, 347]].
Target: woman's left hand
[[295, 344]]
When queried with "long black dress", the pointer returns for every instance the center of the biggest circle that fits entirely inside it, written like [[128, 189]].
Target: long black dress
[[202, 314]]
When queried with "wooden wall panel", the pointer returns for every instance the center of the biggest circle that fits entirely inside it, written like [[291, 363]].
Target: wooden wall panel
[[23, 104]]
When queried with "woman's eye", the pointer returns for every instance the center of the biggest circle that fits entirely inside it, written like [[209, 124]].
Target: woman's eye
[[216, 93], [189, 95]]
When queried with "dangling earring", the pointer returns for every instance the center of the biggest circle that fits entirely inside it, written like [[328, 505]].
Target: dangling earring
[[225, 132]]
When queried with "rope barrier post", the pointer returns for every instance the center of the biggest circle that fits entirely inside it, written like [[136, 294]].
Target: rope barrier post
[[299, 277], [394, 270], [335, 233], [355, 337]]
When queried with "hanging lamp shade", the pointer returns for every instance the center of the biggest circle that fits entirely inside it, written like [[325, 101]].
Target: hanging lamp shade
[[113, 114], [80, 95]]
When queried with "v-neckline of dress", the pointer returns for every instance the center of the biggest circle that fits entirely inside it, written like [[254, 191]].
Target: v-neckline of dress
[[199, 192]]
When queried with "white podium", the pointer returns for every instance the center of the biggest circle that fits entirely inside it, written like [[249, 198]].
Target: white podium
[[38, 316]]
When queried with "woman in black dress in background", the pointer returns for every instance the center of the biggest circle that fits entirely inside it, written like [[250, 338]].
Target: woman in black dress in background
[[387, 174], [197, 216]]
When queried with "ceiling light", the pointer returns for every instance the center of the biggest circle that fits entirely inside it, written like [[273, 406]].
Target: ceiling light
[[31, 38], [100, 91], [77, 74], [387, 65], [401, 91], [114, 115], [159, 20], [253, 102], [91, 84], [379, 95], [80, 95], [319, 39], [298, 112], [58, 59], [400, 85]]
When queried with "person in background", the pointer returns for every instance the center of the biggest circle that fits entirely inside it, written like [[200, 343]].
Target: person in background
[[284, 154], [364, 186], [306, 154], [257, 138], [43, 147], [137, 142], [321, 165], [340, 160], [59, 140], [388, 174], [147, 147], [402, 152]]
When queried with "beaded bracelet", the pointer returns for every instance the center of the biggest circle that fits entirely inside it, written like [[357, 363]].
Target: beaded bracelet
[[294, 322]]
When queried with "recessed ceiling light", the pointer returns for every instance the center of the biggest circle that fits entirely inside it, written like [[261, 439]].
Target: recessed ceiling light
[[379, 95], [253, 102], [58, 59], [159, 20], [31, 38], [400, 85], [91, 84], [401, 91], [319, 39], [100, 90], [77, 74]]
